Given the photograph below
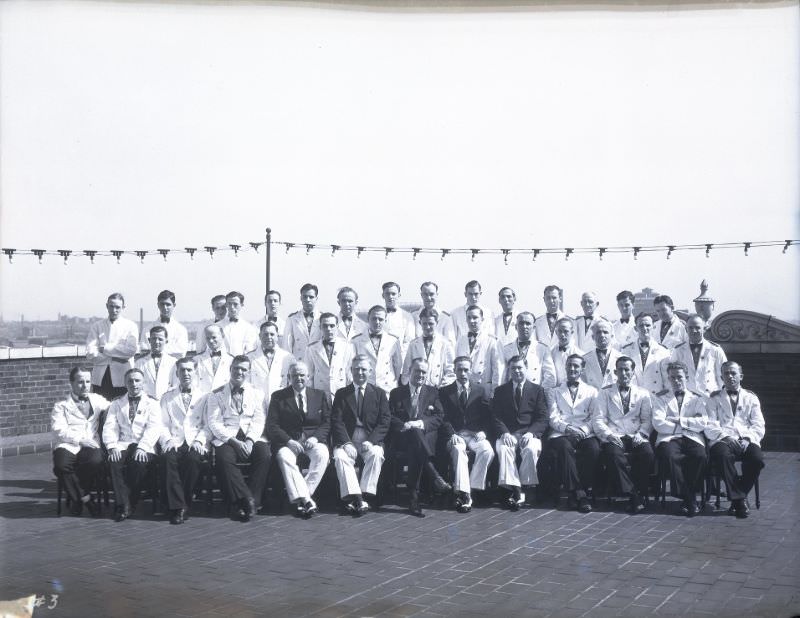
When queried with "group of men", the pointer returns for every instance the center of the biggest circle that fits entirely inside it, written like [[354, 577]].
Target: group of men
[[553, 399]]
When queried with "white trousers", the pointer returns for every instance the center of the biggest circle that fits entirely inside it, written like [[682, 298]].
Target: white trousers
[[476, 479], [346, 472], [299, 486], [509, 476]]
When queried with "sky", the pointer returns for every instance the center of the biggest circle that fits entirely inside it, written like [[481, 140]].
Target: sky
[[138, 126]]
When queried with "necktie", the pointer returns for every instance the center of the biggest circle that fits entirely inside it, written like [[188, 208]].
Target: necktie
[[157, 361], [414, 401], [300, 405], [360, 403], [664, 328], [506, 320], [518, 396], [602, 358], [186, 396], [471, 337], [462, 398], [83, 398], [626, 400], [133, 406], [390, 310], [237, 395]]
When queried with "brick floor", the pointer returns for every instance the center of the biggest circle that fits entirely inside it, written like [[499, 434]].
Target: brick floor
[[536, 562]]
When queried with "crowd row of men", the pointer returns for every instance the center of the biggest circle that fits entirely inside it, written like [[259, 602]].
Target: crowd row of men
[[549, 398]]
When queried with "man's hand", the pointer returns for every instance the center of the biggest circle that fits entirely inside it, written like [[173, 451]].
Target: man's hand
[[239, 447], [575, 431], [248, 447], [294, 446], [480, 436], [616, 441], [509, 440], [638, 439], [114, 455], [140, 455], [350, 450], [525, 439], [366, 446], [311, 443], [199, 447], [90, 443], [456, 440]]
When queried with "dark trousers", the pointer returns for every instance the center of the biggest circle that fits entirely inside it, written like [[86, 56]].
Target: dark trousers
[[724, 457], [683, 460], [107, 389], [231, 478], [419, 451], [574, 462], [127, 477], [181, 471], [77, 472], [626, 478]]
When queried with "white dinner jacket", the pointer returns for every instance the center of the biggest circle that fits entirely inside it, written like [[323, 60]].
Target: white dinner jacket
[[71, 427], [583, 338], [224, 421], [542, 328], [266, 378], [609, 418], [440, 361], [506, 336], [670, 423], [444, 326], [591, 370], [156, 383], [675, 335], [387, 362], [200, 336], [458, 317], [329, 376], [298, 335], [564, 411], [487, 368], [400, 324], [357, 326], [205, 377], [624, 333], [653, 374], [560, 360], [746, 421], [241, 337], [540, 370], [120, 341], [180, 424], [144, 431], [706, 377], [177, 338]]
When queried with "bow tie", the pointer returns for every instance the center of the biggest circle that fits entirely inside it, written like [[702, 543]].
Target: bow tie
[[390, 310], [588, 318], [427, 339], [523, 343], [83, 398], [680, 393], [695, 346], [155, 354], [644, 344], [112, 320], [572, 384], [217, 353], [233, 320], [562, 348], [732, 393], [472, 336], [551, 316], [348, 318], [310, 314], [376, 335], [507, 314], [272, 318], [237, 391], [133, 400], [624, 320], [165, 320], [186, 390]]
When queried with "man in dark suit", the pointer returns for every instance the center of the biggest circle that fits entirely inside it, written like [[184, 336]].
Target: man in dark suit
[[467, 423], [520, 416], [416, 417], [359, 424], [299, 422]]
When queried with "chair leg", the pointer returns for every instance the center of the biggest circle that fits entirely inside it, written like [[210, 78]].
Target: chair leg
[[59, 491], [758, 494]]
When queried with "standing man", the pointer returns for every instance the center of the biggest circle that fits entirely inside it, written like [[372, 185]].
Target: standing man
[[505, 321], [472, 292], [429, 293], [652, 357], [519, 412], [220, 310], [272, 303], [241, 337], [235, 414], [540, 367], [703, 358], [601, 360], [302, 327], [481, 347], [299, 422], [177, 335], [111, 345], [546, 324], [416, 417], [563, 349], [269, 365], [398, 321], [622, 419], [350, 324], [736, 428], [328, 360], [668, 330], [382, 349], [130, 433], [212, 367], [359, 424], [434, 348], [158, 367], [680, 418], [584, 338], [184, 440], [78, 458], [572, 449], [467, 426], [625, 326]]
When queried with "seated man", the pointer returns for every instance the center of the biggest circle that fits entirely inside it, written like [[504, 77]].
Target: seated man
[[359, 424], [519, 412], [184, 440], [213, 366], [157, 367], [235, 415], [78, 458], [299, 422], [736, 427], [572, 450], [416, 417], [680, 417], [467, 422], [622, 419], [130, 433]]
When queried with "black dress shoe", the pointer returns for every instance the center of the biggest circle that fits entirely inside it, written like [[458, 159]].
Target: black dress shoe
[[635, 505], [515, 499], [440, 486], [584, 505], [740, 509], [464, 503], [414, 508], [177, 517], [309, 508], [689, 509], [361, 507], [93, 508], [122, 514], [244, 513], [76, 508]]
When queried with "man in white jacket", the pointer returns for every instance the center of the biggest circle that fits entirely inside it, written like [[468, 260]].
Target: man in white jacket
[[111, 345]]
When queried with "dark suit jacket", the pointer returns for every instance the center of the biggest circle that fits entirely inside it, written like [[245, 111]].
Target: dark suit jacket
[[375, 410], [284, 421], [531, 416], [428, 405], [476, 417]]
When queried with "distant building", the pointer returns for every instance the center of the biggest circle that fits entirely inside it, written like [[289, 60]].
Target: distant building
[[644, 301]]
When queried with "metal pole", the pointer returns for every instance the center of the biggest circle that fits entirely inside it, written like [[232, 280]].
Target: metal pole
[[267, 258]]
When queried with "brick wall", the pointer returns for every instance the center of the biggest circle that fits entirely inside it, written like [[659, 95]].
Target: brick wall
[[28, 390]]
